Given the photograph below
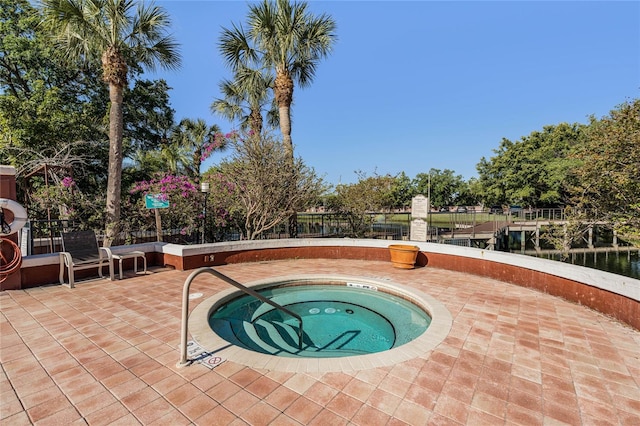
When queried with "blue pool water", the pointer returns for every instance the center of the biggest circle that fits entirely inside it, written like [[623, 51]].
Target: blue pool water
[[338, 320]]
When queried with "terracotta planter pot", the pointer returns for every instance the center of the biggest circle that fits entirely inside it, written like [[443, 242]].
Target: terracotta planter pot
[[403, 256]]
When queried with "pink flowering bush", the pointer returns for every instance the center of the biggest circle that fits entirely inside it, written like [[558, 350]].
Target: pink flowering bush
[[219, 141], [54, 196], [66, 201], [220, 201], [185, 202], [68, 182]]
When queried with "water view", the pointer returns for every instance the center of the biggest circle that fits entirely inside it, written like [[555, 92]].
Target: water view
[[625, 263]]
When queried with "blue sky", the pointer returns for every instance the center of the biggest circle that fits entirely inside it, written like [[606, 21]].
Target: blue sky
[[415, 85]]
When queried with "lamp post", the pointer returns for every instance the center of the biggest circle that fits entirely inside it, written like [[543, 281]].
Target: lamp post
[[429, 205], [204, 188]]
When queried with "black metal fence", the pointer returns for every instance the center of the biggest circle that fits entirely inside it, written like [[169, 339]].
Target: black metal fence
[[43, 236]]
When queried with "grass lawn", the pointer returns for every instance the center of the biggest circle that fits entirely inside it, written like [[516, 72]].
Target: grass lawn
[[437, 219], [448, 219]]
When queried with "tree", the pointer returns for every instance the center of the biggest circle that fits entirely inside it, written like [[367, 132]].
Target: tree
[[447, 189], [148, 116], [371, 194], [124, 42], [224, 212], [193, 136], [44, 104], [63, 199], [563, 236], [18, 29], [148, 123], [286, 38], [245, 98], [607, 178], [471, 194], [402, 191], [533, 171], [173, 157], [50, 113], [266, 190], [143, 166], [180, 153]]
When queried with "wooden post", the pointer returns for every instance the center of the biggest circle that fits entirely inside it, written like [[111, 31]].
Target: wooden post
[[158, 225]]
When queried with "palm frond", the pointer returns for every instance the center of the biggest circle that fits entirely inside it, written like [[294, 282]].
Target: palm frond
[[236, 48]]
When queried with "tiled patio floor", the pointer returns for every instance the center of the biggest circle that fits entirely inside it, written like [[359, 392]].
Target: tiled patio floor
[[106, 353]]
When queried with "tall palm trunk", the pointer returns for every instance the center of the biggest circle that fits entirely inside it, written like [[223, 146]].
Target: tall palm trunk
[[116, 31], [115, 164], [285, 129], [284, 97], [197, 161], [255, 121]]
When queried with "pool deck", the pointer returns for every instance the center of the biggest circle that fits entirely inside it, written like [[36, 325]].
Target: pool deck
[[106, 353]]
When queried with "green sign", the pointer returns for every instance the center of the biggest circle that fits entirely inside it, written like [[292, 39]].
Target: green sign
[[153, 201]]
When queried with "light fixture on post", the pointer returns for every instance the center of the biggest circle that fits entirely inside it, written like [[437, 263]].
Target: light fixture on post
[[204, 188]]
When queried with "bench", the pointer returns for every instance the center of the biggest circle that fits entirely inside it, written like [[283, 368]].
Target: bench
[[131, 255], [80, 251]]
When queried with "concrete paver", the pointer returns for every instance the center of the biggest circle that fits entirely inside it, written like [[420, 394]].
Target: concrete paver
[[106, 353]]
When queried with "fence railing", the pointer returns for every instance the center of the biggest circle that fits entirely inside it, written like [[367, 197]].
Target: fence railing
[[532, 214], [43, 236]]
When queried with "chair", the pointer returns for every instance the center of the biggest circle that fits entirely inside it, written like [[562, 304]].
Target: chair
[[80, 251]]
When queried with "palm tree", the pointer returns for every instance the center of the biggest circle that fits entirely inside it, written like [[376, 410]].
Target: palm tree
[[173, 158], [287, 39], [123, 40], [146, 162], [192, 136], [245, 98]]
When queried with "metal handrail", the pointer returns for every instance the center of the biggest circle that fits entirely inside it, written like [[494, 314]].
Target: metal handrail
[[185, 308]]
